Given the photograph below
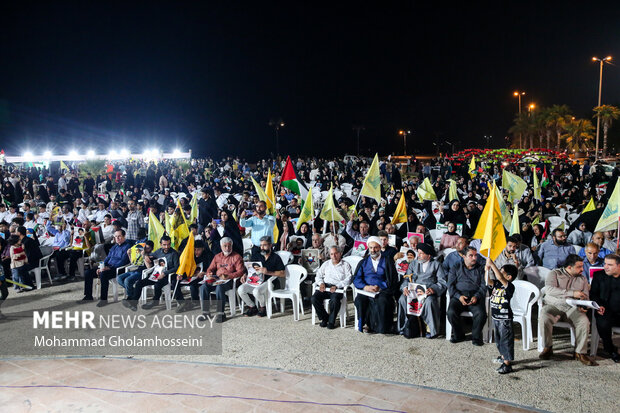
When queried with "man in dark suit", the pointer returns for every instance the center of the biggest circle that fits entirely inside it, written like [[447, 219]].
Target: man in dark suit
[[605, 291]]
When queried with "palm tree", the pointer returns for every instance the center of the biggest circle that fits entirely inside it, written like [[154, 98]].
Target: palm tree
[[523, 128], [558, 117], [607, 113], [539, 120], [579, 134]]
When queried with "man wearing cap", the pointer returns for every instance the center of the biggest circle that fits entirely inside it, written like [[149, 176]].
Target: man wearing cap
[[428, 272], [376, 281]]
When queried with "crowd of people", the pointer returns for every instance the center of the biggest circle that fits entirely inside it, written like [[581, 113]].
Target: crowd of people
[[79, 217]]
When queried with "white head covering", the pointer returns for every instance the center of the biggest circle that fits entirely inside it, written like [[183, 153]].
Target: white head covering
[[373, 239]]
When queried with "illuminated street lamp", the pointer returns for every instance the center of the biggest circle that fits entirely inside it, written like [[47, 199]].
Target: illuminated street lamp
[[518, 94], [530, 108], [404, 133], [600, 86]]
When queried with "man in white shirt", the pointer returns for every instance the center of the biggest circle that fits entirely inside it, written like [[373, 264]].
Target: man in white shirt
[[332, 275], [3, 212]]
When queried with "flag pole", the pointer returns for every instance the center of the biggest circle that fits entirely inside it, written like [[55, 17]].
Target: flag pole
[[176, 285]]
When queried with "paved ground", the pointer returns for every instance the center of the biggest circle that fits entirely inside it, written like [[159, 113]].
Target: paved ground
[[561, 385], [95, 385]]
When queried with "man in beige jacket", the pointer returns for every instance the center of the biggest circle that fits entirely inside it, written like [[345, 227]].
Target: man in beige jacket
[[561, 284]]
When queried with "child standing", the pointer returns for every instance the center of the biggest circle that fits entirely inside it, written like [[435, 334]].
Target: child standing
[[502, 290], [19, 270]]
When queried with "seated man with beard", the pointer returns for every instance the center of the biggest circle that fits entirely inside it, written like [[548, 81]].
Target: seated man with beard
[[424, 270], [377, 279]]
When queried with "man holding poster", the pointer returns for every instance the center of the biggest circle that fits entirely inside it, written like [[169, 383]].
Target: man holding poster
[[426, 271]]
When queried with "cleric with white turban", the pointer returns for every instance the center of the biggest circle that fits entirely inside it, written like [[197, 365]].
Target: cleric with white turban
[[376, 281]]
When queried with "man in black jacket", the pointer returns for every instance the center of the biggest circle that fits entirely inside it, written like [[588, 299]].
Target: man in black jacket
[[605, 291], [207, 210]]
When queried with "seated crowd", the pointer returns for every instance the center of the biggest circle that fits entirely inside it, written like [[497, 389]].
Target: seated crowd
[[400, 274]]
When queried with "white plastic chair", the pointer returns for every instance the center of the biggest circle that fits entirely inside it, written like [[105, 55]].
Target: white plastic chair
[[286, 256], [577, 249], [342, 313], [536, 275], [572, 218], [541, 330], [487, 331], [436, 234], [523, 299], [247, 244], [556, 221], [113, 283], [165, 291], [43, 265], [444, 253], [232, 298], [295, 275], [353, 261], [595, 338]]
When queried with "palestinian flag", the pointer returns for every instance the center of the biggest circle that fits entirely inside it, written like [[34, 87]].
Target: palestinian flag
[[545, 178], [291, 181]]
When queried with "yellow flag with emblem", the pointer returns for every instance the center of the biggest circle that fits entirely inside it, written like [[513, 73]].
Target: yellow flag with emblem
[[452, 193], [269, 192], [611, 213], [307, 211], [372, 182], [425, 191], [503, 208], [179, 229], [63, 166], [537, 187], [515, 185], [472, 167], [329, 211], [194, 204], [156, 230], [590, 206], [187, 262], [490, 229], [514, 225], [400, 215]]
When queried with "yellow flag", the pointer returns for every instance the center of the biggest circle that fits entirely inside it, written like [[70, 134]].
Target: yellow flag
[[329, 211], [490, 229], [400, 215], [259, 191], [372, 182], [63, 166], [590, 206], [194, 204], [168, 222], [307, 212], [425, 191], [156, 230], [515, 185], [452, 194], [503, 208], [537, 187], [472, 167], [178, 226], [271, 198], [187, 262], [611, 213], [536, 221], [514, 226]]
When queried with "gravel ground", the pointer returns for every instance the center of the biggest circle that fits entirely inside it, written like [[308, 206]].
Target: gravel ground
[[559, 385]]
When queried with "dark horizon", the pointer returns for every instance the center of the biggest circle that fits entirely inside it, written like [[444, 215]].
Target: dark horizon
[[210, 77]]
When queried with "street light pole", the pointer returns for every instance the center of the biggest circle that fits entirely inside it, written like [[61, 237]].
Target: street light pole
[[519, 94], [404, 133], [358, 128], [600, 87], [276, 125]]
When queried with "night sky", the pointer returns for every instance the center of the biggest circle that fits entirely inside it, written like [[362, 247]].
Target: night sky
[[210, 75]]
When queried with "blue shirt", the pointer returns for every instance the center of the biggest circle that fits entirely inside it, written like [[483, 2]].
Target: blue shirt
[[601, 254], [260, 227], [366, 274], [553, 256], [586, 266], [62, 239], [117, 257]]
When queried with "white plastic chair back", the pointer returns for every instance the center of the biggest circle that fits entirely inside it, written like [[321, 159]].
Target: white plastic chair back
[[572, 218], [295, 274], [286, 257], [444, 253], [247, 244], [525, 295], [577, 249], [436, 234], [556, 221], [353, 261], [536, 275]]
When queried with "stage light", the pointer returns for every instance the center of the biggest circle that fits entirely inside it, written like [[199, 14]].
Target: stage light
[[176, 153], [28, 156], [124, 153], [90, 153], [47, 154], [73, 154], [112, 154]]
